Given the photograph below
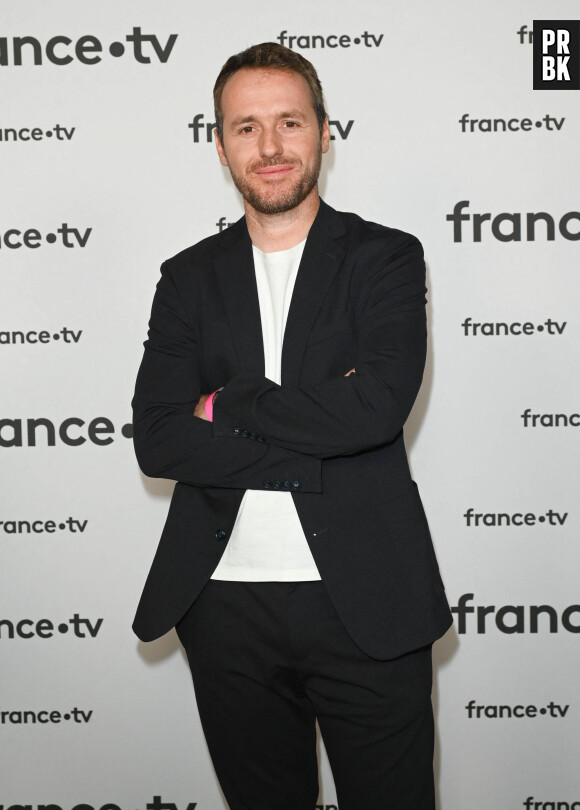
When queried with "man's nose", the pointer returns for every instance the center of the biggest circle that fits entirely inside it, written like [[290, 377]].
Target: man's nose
[[270, 142]]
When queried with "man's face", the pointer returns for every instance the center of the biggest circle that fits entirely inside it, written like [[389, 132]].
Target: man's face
[[271, 139]]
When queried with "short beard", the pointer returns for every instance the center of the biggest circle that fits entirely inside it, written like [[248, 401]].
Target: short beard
[[291, 199]]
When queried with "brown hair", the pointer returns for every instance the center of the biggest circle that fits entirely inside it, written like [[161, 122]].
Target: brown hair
[[276, 57]]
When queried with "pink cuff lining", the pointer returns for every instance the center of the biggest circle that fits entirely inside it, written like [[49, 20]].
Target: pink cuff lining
[[209, 406]]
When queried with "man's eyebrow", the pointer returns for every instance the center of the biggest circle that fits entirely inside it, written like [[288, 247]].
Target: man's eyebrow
[[249, 119], [291, 114]]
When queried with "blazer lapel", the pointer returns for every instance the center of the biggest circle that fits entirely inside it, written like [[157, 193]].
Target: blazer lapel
[[234, 265], [321, 259], [237, 280]]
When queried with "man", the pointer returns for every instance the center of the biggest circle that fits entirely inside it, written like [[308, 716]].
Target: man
[[283, 358]]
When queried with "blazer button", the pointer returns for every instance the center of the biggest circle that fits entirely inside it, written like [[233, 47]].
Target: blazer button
[[296, 484], [267, 484], [237, 431], [276, 484], [260, 438], [220, 534], [253, 436], [245, 434], [287, 485]]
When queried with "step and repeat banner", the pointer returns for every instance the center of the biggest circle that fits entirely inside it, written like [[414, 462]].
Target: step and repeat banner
[[108, 167]]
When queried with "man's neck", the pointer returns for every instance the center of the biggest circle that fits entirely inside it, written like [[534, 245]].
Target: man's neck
[[272, 232]]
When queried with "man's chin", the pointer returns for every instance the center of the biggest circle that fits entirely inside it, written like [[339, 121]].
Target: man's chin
[[277, 196], [276, 206], [276, 201]]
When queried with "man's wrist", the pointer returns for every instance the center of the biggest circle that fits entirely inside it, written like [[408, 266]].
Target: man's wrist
[[209, 403]]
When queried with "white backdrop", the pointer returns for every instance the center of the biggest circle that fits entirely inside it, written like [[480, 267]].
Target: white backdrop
[[96, 151]]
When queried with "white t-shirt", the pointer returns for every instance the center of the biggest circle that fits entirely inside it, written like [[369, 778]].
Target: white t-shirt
[[267, 542]]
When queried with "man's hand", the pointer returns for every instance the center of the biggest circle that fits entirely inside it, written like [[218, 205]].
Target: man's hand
[[352, 371], [200, 408]]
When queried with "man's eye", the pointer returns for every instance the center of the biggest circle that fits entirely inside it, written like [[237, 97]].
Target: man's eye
[[290, 123], [247, 129]]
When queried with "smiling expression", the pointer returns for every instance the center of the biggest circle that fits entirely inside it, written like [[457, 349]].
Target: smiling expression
[[272, 142]]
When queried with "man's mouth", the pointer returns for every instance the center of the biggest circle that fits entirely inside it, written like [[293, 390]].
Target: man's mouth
[[275, 171]]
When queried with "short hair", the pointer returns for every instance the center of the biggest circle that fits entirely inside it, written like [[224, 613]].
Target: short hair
[[272, 56]]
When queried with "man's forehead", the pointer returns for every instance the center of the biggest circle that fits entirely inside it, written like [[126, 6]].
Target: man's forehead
[[264, 88], [256, 75]]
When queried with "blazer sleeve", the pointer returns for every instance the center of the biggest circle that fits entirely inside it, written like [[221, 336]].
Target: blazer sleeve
[[346, 415], [170, 442]]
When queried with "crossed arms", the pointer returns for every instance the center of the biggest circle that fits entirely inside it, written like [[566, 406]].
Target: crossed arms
[[337, 416]]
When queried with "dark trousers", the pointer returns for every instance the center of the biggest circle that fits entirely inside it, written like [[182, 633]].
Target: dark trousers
[[268, 659]]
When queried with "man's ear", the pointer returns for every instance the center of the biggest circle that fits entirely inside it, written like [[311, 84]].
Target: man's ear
[[220, 149], [325, 136]]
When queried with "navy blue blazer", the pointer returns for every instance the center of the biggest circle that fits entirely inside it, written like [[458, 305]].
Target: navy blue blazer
[[334, 442]]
